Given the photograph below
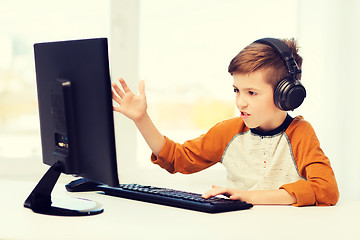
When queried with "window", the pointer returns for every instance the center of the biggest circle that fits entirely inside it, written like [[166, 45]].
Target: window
[[185, 49], [23, 23]]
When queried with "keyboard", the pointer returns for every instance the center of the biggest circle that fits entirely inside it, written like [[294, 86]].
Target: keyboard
[[162, 196]]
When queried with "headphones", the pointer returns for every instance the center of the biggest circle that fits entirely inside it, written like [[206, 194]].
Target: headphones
[[289, 93]]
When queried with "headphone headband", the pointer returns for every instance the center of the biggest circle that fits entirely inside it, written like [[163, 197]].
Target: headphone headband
[[285, 53]]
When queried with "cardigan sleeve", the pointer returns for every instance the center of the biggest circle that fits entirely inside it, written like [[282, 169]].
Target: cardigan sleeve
[[319, 186]]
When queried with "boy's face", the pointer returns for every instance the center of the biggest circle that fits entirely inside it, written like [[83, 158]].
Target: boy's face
[[255, 101]]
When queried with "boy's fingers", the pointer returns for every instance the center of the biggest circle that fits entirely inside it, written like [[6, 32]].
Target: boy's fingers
[[117, 90], [117, 109], [124, 85], [142, 87], [217, 190], [214, 191], [206, 195], [115, 97]]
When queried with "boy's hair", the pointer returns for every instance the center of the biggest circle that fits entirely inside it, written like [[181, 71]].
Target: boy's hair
[[260, 56]]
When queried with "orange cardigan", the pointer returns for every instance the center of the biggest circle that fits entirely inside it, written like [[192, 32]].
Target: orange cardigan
[[290, 159]]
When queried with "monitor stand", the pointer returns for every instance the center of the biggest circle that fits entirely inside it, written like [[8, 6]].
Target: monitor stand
[[40, 198]]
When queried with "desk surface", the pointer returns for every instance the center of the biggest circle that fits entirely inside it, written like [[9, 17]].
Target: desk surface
[[128, 219]]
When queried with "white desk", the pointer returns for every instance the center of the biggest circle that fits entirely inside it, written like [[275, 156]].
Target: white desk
[[128, 219]]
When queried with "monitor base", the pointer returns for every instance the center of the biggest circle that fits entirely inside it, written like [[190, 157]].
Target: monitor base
[[40, 198]]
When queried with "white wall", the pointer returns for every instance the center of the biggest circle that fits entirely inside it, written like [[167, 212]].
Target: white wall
[[329, 34]]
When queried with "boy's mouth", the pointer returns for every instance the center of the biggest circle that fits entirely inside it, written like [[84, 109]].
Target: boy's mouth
[[244, 114]]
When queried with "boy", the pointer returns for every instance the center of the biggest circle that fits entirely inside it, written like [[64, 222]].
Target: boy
[[270, 157]]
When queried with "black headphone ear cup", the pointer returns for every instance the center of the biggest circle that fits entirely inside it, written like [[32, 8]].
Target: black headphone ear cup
[[278, 94], [289, 94]]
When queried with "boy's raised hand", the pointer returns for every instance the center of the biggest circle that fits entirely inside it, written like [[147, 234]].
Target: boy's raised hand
[[129, 104], [134, 107]]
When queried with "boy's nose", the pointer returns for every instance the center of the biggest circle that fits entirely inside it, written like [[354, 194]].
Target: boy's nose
[[241, 103]]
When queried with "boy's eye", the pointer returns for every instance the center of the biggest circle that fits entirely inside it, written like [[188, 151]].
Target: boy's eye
[[236, 90], [252, 93]]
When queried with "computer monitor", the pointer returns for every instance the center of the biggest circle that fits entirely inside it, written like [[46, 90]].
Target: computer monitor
[[76, 118]]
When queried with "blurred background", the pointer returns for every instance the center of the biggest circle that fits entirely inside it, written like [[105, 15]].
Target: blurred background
[[182, 48]]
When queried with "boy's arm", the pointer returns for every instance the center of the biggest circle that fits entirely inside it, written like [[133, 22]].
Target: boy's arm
[[199, 153], [135, 108], [277, 196], [192, 156], [319, 186], [152, 136]]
